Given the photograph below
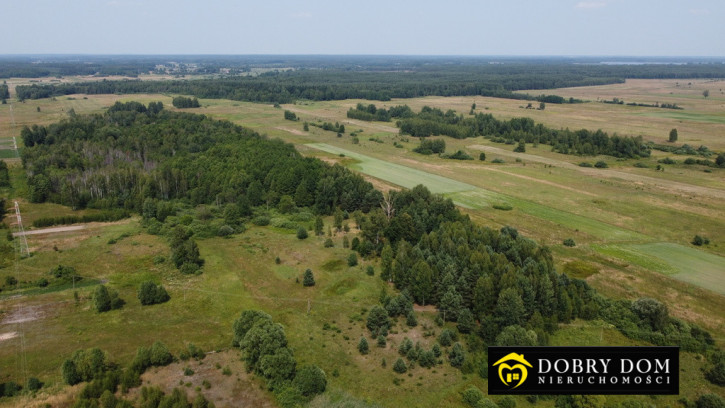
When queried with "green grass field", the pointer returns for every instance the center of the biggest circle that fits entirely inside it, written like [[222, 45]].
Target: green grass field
[[684, 263], [686, 116], [403, 176]]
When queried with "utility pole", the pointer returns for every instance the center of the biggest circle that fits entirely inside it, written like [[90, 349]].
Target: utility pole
[[24, 241]]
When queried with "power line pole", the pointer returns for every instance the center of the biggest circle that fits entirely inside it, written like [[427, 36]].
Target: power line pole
[[24, 241]]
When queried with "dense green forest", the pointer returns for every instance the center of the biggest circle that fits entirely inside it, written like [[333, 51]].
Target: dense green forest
[[338, 78], [287, 87], [433, 121], [133, 152], [499, 287]]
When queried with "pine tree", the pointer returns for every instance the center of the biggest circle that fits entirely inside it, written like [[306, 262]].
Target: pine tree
[[308, 279], [457, 355], [410, 319], [399, 366], [319, 226], [362, 346], [673, 135], [382, 343]]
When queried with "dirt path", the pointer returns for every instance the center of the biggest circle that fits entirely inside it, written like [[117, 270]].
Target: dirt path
[[293, 131], [667, 185], [50, 230]]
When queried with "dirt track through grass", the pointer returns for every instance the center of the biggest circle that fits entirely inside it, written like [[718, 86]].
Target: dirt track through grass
[[667, 185]]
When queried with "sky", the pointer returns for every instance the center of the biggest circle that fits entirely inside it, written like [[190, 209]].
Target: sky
[[391, 27]]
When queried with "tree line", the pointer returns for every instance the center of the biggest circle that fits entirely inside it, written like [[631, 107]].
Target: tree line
[[433, 121], [335, 84]]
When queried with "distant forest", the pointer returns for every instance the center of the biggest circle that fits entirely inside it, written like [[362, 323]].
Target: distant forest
[[337, 78]]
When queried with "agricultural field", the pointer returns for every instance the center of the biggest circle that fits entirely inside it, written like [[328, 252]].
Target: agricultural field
[[632, 227]]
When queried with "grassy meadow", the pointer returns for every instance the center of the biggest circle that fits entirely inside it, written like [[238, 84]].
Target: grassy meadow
[[632, 227]]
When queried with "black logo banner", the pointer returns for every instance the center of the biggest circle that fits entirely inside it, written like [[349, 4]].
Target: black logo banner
[[584, 370]]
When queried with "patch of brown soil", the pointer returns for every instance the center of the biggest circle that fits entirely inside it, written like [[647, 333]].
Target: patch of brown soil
[[27, 313], [237, 390]]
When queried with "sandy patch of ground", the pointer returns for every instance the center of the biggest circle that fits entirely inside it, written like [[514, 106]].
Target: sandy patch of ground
[[27, 313], [8, 336], [293, 131], [50, 230]]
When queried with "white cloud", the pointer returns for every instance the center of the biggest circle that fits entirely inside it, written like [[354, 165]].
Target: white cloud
[[590, 4]]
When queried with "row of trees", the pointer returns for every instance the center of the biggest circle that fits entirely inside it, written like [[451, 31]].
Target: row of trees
[[433, 121], [390, 80], [182, 102], [266, 353]]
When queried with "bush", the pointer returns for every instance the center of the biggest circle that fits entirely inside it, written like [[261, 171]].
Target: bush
[[289, 115], [160, 355], [105, 299], [503, 207], [370, 270], [585, 164], [710, 401], [569, 242], [301, 233], [189, 268], [498, 161], [601, 165], [310, 380], [699, 241], [150, 293], [399, 366], [459, 155], [69, 372], [352, 259], [329, 243], [34, 384], [482, 156], [261, 221], [225, 231], [472, 395], [10, 389]]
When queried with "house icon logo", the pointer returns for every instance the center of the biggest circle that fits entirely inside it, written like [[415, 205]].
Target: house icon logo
[[512, 373]]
